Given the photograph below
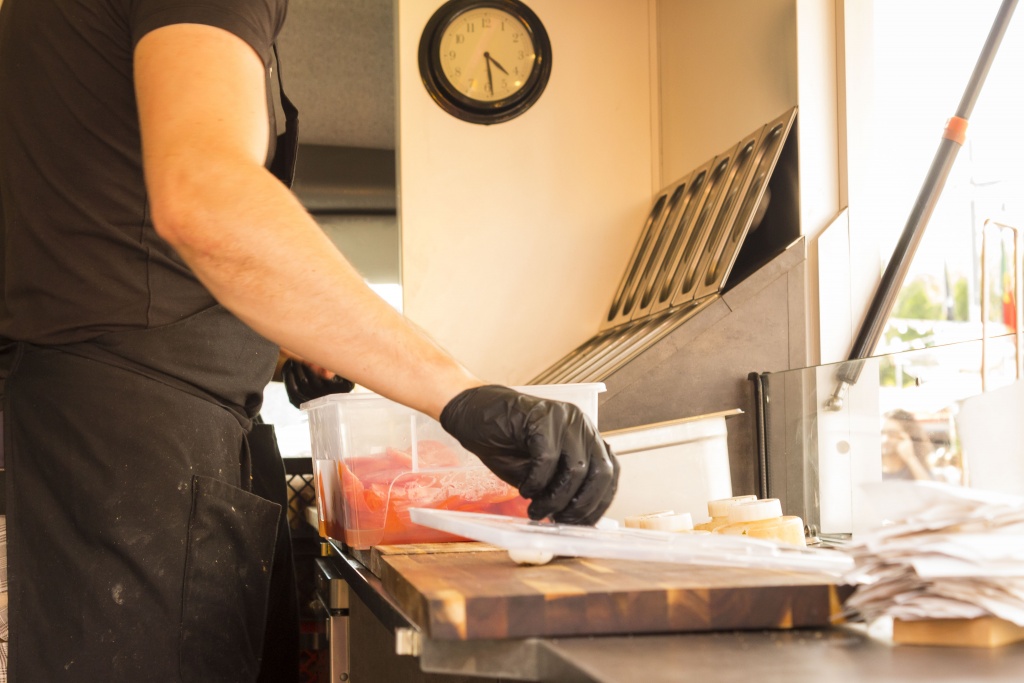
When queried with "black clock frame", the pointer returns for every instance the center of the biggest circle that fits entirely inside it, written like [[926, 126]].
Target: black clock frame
[[453, 101]]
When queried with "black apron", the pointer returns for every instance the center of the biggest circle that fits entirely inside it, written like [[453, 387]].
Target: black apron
[[136, 549], [281, 644]]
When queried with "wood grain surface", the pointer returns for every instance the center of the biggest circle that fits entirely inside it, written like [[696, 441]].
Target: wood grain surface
[[980, 632], [372, 558], [473, 595]]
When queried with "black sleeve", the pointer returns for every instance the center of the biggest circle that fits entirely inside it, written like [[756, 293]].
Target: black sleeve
[[257, 22]]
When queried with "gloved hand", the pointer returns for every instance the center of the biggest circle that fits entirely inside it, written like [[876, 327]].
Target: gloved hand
[[549, 450], [303, 383]]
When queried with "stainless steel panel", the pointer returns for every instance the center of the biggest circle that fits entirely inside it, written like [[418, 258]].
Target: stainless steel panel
[[331, 585], [337, 626], [769, 147], [730, 197], [626, 293], [676, 208], [673, 239], [687, 248], [642, 337], [718, 179], [619, 337], [577, 355], [586, 353], [623, 338]]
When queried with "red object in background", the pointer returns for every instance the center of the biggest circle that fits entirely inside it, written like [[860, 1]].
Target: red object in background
[[1009, 310], [377, 492], [1009, 301]]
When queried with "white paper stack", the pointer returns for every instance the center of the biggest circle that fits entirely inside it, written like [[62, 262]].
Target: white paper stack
[[939, 552]]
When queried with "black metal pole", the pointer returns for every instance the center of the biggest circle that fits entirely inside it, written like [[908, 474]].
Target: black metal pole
[[896, 271]]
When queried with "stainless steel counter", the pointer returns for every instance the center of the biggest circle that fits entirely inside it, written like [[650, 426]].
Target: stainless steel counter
[[837, 655], [848, 653]]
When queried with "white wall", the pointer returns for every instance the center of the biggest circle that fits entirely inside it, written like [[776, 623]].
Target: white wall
[[515, 236], [854, 249], [822, 156]]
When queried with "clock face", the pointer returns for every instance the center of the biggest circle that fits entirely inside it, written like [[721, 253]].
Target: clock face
[[486, 54], [485, 61]]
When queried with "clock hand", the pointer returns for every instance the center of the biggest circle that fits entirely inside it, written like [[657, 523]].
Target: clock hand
[[490, 81], [495, 62]]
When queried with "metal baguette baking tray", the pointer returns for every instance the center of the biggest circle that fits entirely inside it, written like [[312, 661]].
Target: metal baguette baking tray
[[722, 248], [687, 254], [670, 244]]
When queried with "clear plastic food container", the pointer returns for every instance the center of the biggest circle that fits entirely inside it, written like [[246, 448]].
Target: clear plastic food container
[[374, 460]]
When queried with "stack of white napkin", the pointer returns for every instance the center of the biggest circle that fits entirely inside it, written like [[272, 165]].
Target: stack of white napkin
[[939, 552]]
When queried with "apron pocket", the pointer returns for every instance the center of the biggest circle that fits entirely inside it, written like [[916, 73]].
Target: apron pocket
[[228, 564]]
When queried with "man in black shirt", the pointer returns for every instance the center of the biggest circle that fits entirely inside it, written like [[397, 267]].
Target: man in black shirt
[[152, 266]]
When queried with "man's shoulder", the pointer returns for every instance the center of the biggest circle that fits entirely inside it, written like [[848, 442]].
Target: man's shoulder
[[256, 21]]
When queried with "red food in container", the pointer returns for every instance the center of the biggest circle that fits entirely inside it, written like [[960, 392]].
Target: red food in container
[[374, 460]]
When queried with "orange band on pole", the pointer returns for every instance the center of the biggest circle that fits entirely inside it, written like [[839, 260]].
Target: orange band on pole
[[956, 130]]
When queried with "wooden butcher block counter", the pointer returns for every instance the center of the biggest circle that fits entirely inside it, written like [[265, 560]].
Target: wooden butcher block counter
[[470, 591]]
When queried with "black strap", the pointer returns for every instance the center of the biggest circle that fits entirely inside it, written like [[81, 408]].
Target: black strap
[[3, 471], [287, 151]]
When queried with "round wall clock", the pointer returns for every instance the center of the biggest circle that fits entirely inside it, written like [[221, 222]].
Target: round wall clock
[[485, 61]]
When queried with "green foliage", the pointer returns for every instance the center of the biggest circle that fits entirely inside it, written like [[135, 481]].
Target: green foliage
[[919, 300], [887, 375], [961, 303], [907, 336]]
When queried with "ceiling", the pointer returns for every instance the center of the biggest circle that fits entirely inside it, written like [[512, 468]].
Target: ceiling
[[338, 65]]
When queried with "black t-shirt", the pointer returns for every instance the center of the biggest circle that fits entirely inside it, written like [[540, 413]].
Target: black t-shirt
[[78, 254]]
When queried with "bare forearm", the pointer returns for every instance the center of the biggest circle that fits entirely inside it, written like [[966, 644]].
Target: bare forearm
[[264, 258], [202, 112]]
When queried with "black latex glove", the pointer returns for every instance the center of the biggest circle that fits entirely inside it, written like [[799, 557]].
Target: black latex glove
[[549, 450], [303, 383]]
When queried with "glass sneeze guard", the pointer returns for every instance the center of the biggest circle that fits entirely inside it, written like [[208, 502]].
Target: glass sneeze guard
[[897, 422]]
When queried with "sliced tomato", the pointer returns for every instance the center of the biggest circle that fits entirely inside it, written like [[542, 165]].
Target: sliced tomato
[[435, 455], [383, 468], [364, 507], [380, 489]]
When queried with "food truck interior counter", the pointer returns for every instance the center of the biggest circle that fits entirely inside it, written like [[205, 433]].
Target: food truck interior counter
[[385, 642]]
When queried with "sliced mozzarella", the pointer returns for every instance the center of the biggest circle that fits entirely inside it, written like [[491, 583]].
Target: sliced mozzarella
[[530, 556], [680, 522]]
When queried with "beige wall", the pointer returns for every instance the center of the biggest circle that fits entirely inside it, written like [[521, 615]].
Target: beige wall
[[514, 236], [726, 67]]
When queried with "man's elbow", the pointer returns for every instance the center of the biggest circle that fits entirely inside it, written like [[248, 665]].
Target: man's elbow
[[199, 208], [183, 208], [171, 204]]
